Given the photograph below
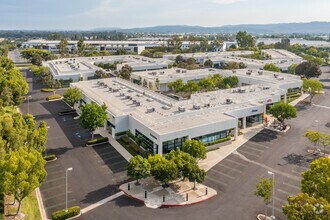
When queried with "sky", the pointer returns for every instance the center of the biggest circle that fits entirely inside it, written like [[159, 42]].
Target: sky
[[90, 14]]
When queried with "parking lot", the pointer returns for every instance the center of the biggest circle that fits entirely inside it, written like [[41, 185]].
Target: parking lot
[[97, 171]]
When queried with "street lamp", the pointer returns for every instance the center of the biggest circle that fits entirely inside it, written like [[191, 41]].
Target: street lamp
[[66, 188], [273, 174], [28, 98]]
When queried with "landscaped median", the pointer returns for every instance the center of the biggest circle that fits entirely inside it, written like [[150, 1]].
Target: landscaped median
[[178, 193], [96, 141], [54, 97], [50, 157], [47, 90], [63, 214]]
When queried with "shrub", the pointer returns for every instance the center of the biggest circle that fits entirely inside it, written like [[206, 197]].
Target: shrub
[[121, 133], [218, 141], [54, 97], [63, 214], [98, 140], [47, 90], [50, 157], [125, 140]]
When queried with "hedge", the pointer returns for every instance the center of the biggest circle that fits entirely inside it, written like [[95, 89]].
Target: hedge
[[63, 214], [50, 157], [218, 141], [98, 140], [47, 90], [121, 133], [53, 97]]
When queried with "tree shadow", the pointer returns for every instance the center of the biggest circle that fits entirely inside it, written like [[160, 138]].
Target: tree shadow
[[299, 159], [59, 151], [265, 136], [43, 117]]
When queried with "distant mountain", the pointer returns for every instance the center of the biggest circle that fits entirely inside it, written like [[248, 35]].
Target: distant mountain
[[282, 28]]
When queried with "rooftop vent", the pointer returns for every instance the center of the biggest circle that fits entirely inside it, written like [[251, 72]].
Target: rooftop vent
[[241, 90], [275, 75], [229, 101], [265, 87], [260, 72], [150, 100], [234, 71], [166, 107], [150, 109], [248, 73], [182, 109], [197, 106], [177, 71]]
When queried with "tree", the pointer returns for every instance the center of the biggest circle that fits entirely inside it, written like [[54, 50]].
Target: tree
[[157, 84], [208, 63], [272, 67], [126, 71], [179, 59], [191, 61], [195, 148], [308, 70], [195, 174], [81, 46], [12, 83], [292, 68], [100, 74], [316, 181], [264, 190], [306, 207], [207, 83], [72, 96], [313, 136], [36, 55], [24, 172], [325, 141], [162, 169], [312, 87], [145, 83], [138, 168], [191, 87], [39, 70], [283, 111], [93, 116], [63, 46], [232, 81], [176, 86], [244, 39]]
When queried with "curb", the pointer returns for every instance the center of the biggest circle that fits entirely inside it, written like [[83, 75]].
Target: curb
[[80, 213], [168, 205], [41, 205]]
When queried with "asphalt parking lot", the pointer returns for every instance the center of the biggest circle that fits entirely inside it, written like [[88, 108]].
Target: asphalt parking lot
[[97, 171]]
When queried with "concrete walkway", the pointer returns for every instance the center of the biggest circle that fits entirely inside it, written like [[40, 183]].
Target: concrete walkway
[[99, 203], [114, 143], [179, 193]]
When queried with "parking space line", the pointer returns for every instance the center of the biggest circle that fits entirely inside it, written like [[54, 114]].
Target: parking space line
[[251, 148], [226, 175], [217, 181], [296, 172], [232, 161], [233, 169], [55, 172], [284, 192], [239, 150], [51, 167], [57, 195], [119, 162], [59, 204], [280, 200], [53, 180], [277, 209], [293, 186], [111, 158], [106, 153], [255, 143], [51, 188]]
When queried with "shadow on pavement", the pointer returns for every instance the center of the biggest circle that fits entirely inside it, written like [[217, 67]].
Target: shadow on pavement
[[265, 135]]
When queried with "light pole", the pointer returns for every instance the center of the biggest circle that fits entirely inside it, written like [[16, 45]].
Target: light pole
[[273, 174], [66, 188], [28, 98]]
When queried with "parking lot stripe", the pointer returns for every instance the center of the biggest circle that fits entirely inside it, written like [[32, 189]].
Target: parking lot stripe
[[243, 151], [51, 167], [119, 162], [253, 148], [284, 192], [232, 161], [280, 200], [255, 143], [111, 158], [217, 181], [55, 172], [275, 208], [226, 175], [53, 180], [293, 186], [233, 169], [106, 153], [59, 204], [50, 188], [57, 195]]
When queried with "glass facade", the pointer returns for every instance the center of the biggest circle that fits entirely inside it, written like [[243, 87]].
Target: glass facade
[[214, 136], [172, 144], [254, 119], [152, 147]]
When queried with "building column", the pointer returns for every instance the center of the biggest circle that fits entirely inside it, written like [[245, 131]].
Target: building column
[[285, 98], [160, 149], [236, 133], [244, 123]]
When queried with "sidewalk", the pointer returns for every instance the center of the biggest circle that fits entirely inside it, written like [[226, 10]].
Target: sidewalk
[[179, 193]]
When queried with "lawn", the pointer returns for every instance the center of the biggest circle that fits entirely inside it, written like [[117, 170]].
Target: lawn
[[29, 207]]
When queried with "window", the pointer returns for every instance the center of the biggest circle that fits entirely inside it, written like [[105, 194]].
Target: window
[[172, 144], [213, 137], [151, 146]]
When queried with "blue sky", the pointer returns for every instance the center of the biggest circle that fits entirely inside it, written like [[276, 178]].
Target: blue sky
[[89, 14]]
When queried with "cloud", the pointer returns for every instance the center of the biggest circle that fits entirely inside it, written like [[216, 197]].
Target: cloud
[[227, 2]]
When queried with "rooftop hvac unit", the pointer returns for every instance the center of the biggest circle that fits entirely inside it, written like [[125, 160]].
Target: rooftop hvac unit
[[121, 94], [242, 90], [197, 106], [127, 96], [154, 73], [265, 87], [166, 107], [110, 89], [184, 71], [280, 78], [138, 103], [115, 90], [182, 109], [248, 73], [252, 90], [150, 109], [105, 86], [207, 105], [150, 100], [234, 71], [229, 101], [260, 72], [177, 71], [276, 75]]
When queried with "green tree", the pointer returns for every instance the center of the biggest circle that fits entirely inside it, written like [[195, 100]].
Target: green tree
[[93, 116], [316, 181], [39, 70], [232, 81], [271, 67], [176, 86], [244, 39], [206, 83], [138, 168], [165, 171], [179, 59], [63, 46], [194, 174], [325, 141], [195, 148], [72, 96], [306, 207], [308, 70], [312, 87], [126, 71], [145, 83], [208, 63], [313, 137], [157, 84], [36, 55], [24, 172], [191, 87], [283, 111], [292, 68], [264, 190], [81, 46]]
